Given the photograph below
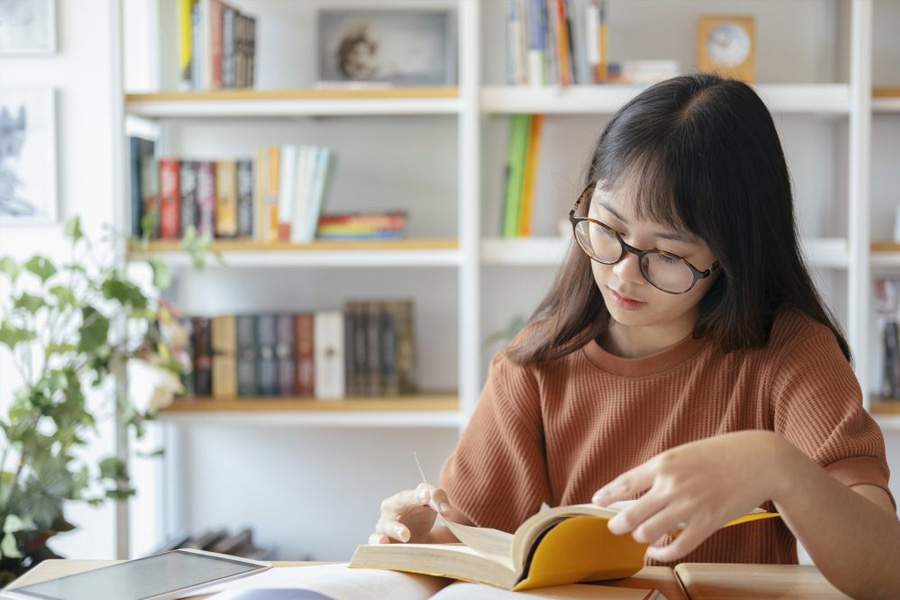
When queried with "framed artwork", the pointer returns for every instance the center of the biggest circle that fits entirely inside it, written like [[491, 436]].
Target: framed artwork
[[390, 46], [727, 45], [27, 157], [27, 27]]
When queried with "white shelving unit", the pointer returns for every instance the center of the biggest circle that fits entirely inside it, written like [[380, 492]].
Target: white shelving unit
[[496, 278]]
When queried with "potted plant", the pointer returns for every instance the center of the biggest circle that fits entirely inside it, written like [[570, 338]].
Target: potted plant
[[72, 326]]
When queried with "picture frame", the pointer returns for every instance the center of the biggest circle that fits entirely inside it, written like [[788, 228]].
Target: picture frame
[[386, 46], [28, 188], [27, 27], [726, 44]]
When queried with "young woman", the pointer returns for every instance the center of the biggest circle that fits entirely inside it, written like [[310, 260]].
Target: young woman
[[684, 358]]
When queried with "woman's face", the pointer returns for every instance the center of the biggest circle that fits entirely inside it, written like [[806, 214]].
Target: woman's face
[[631, 299]]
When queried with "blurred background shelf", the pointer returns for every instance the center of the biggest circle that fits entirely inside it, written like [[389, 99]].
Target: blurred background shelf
[[426, 410], [294, 103], [390, 253]]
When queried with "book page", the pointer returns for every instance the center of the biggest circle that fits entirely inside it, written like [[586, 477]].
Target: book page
[[471, 591], [493, 543], [333, 582]]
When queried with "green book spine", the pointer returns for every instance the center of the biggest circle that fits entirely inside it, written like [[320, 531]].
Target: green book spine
[[518, 148]]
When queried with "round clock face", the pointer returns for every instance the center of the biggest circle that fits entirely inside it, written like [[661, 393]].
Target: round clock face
[[728, 44]]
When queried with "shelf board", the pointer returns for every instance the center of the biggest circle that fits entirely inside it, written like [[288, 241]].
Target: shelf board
[[382, 253], [886, 254], [550, 251], [886, 99], [607, 98], [294, 103], [427, 410], [885, 406]]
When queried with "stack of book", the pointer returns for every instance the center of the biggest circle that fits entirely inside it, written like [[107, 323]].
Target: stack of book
[[362, 226], [276, 197], [216, 46], [521, 175], [556, 42], [367, 350]]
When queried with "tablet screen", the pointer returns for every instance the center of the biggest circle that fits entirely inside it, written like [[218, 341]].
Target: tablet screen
[[138, 579]]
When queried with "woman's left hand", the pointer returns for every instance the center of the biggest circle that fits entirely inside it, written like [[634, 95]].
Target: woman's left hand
[[699, 486]]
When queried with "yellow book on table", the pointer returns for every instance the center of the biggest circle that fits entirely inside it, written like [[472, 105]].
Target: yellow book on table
[[556, 546]]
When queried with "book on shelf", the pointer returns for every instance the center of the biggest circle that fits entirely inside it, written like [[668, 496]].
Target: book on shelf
[[641, 71], [555, 546], [517, 152], [362, 226], [187, 186], [328, 332], [224, 360], [337, 582], [370, 353], [226, 199], [556, 42], [141, 151], [206, 197], [216, 46]]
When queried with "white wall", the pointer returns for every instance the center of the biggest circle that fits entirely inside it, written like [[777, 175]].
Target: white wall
[[80, 72]]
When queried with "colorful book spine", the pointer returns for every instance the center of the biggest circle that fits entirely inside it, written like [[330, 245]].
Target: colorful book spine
[[169, 197], [518, 147], [245, 198], [284, 354], [185, 28], [187, 183], [203, 364], [266, 360], [206, 197], [530, 176], [135, 149], [329, 349], [245, 326], [536, 43], [320, 184], [287, 190], [270, 231], [373, 349], [304, 354], [228, 45], [390, 380], [150, 196], [226, 199], [216, 9], [562, 44], [224, 368]]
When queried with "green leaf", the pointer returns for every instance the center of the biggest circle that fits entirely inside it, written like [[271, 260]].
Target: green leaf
[[162, 275], [40, 266], [10, 336], [125, 292], [121, 494], [159, 452], [72, 229], [9, 548], [63, 295], [10, 267], [29, 302], [113, 468], [13, 524], [94, 330]]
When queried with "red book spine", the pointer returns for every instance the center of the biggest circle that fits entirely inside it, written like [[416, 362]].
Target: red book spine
[[216, 12], [304, 354], [170, 209]]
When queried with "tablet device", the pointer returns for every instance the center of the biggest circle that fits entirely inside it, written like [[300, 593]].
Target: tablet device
[[164, 576]]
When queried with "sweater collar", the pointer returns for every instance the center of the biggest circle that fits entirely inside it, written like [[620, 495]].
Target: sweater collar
[[652, 364]]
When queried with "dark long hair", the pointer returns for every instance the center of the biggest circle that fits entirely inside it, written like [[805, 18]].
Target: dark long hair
[[699, 152]]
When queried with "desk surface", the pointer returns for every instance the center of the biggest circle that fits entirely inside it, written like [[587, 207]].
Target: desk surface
[[660, 578], [761, 582]]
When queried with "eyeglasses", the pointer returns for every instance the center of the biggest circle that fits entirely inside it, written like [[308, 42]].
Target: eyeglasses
[[665, 271]]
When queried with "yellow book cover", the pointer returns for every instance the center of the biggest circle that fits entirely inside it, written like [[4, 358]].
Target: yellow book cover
[[226, 198], [530, 176], [185, 49], [271, 222], [556, 546]]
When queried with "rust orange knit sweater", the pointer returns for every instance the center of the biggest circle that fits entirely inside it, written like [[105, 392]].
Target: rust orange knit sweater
[[559, 431]]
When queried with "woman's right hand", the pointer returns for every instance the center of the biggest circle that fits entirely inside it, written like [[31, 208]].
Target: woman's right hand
[[409, 515]]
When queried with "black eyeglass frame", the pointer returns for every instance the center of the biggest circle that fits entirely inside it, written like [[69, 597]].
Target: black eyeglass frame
[[626, 247]]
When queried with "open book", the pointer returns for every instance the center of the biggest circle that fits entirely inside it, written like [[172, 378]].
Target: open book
[[337, 582], [566, 544]]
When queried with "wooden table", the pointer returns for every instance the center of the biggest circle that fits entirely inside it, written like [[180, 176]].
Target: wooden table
[[661, 578], [760, 582]]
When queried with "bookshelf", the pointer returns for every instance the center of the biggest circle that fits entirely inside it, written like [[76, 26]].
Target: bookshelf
[[439, 152]]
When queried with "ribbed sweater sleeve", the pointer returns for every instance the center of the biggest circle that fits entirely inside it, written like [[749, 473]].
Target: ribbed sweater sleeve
[[497, 475], [817, 406]]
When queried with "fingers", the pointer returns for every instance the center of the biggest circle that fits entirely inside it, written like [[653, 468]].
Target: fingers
[[641, 518], [393, 530], [434, 497], [626, 485], [687, 541], [408, 509]]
